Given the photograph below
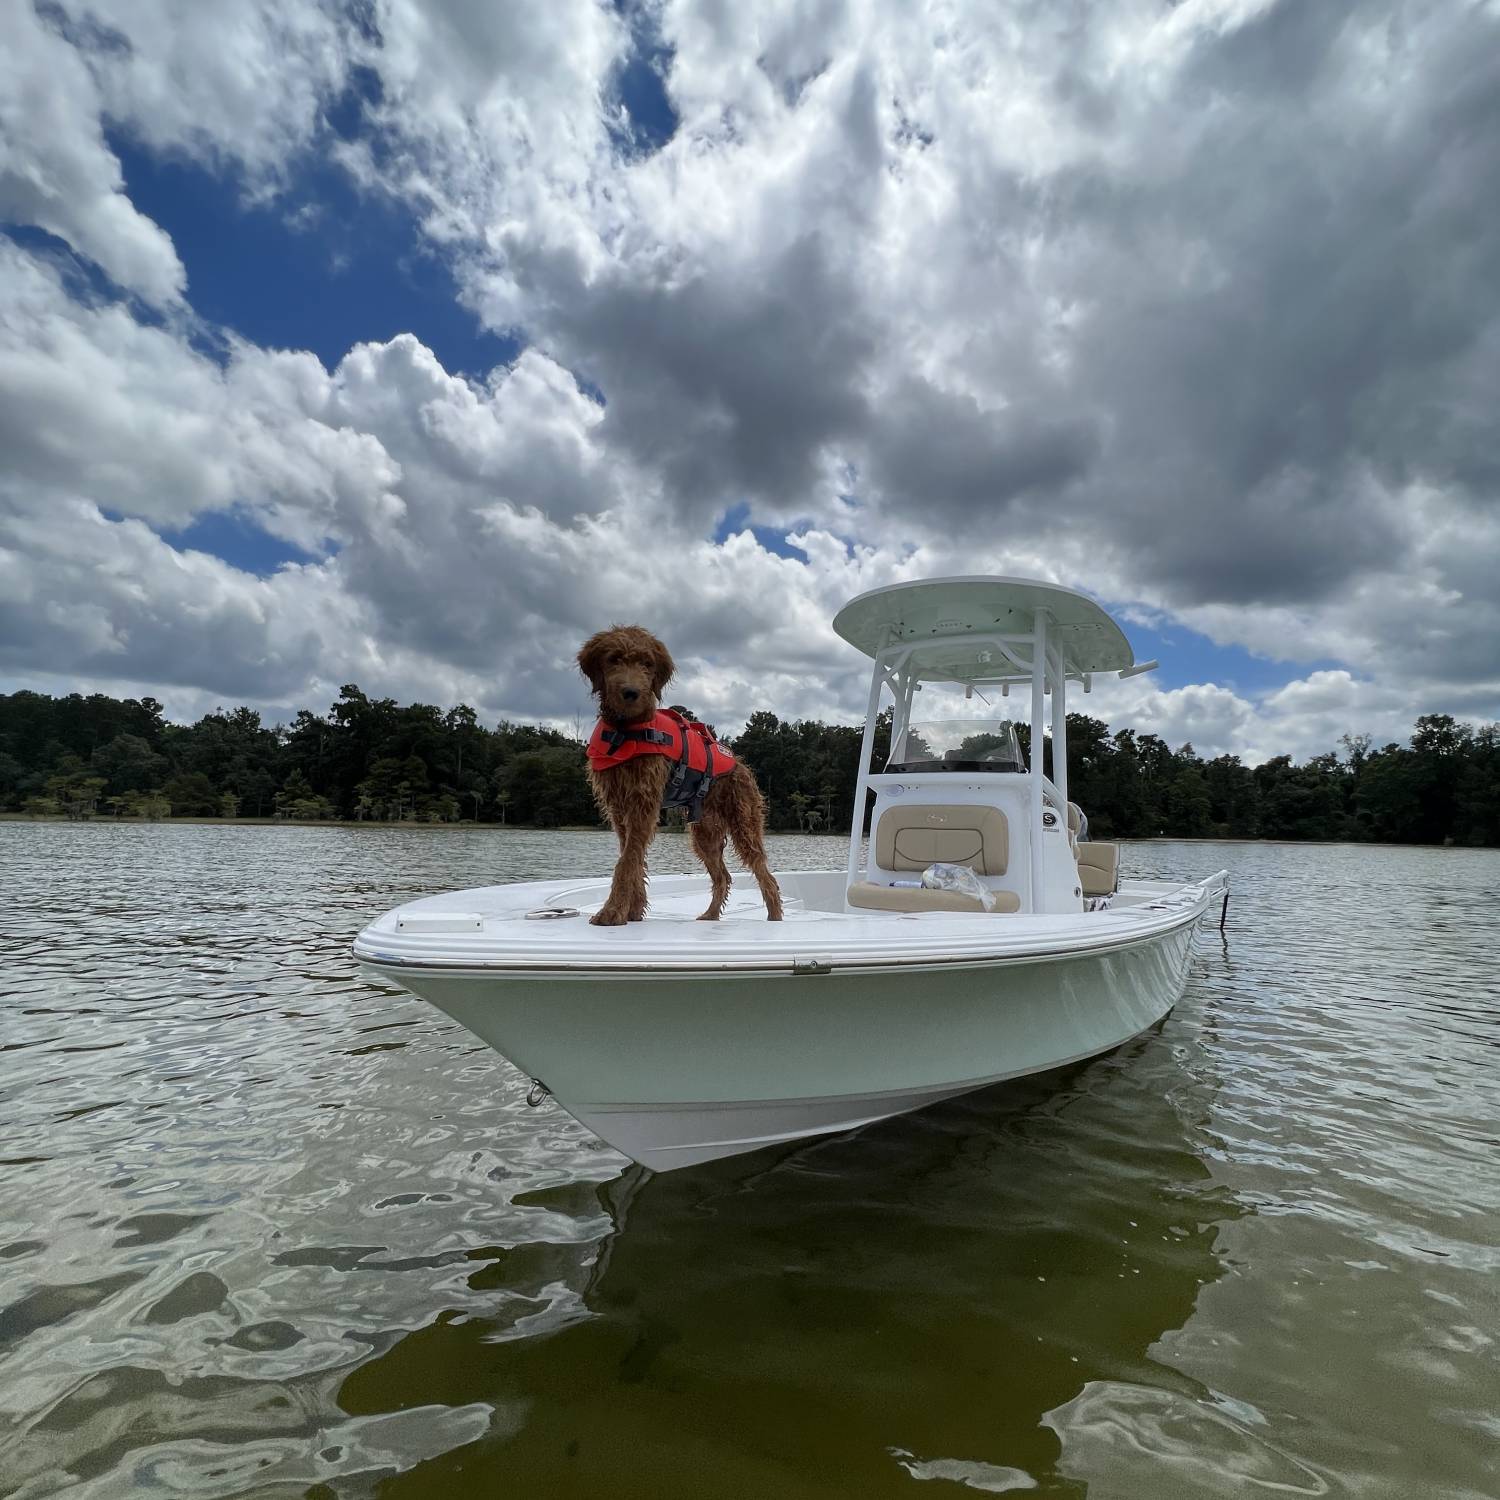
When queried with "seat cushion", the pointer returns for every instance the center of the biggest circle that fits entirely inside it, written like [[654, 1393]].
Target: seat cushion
[[1098, 868], [915, 836], [872, 897]]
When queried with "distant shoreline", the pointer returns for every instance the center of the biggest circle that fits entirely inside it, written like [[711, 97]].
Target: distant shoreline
[[21, 817], [1165, 838]]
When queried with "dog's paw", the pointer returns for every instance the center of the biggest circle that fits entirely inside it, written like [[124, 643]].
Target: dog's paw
[[709, 916], [607, 916]]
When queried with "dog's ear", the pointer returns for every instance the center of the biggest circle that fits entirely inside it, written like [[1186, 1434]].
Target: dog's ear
[[591, 659], [662, 666]]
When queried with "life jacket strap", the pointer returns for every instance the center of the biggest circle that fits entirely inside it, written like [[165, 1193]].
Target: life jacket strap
[[678, 793], [614, 738]]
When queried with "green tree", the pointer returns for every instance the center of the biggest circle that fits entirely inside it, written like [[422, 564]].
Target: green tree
[[129, 764], [1389, 798], [297, 800], [192, 795], [799, 801], [1189, 804], [74, 789], [152, 805], [256, 786], [1476, 813]]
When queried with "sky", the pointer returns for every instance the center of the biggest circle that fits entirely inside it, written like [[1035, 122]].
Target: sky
[[408, 342]]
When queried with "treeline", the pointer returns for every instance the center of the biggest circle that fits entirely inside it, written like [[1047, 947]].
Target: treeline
[[371, 759], [366, 759], [1443, 788]]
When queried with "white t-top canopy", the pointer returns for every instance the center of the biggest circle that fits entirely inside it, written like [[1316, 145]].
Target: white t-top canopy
[[938, 613]]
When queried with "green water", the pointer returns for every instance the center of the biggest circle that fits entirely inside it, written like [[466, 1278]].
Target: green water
[[268, 1230]]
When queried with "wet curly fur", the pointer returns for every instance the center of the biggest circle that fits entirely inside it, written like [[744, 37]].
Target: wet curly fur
[[627, 667]]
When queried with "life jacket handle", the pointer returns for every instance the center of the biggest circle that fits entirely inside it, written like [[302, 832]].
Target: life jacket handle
[[614, 738]]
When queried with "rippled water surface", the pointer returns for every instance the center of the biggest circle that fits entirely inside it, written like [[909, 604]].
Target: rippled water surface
[[267, 1229]]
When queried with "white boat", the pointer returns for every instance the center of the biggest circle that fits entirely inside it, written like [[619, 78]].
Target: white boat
[[678, 1041]]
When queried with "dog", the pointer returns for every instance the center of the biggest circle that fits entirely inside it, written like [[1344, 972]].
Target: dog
[[627, 668]]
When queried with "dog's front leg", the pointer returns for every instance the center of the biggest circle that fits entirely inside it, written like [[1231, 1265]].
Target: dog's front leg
[[616, 910], [627, 890]]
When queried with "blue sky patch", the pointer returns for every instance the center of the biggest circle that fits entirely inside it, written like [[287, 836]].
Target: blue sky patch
[[1187, 657], [640, 85], [321, 266], [235, 538], [772, 538]]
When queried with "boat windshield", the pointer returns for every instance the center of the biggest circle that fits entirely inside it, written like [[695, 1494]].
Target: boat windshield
[[956, 745]]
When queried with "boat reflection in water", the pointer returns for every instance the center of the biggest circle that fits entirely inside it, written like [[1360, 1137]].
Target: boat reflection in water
[[939, 1295]]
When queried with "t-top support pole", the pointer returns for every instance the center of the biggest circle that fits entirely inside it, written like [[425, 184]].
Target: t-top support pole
[[867, 744], [1038, 691], [1060, 730]]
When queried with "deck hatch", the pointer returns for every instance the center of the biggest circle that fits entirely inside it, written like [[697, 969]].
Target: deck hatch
[[440, 921]]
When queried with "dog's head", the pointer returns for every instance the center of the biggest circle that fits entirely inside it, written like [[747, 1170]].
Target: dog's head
[[627, 667]]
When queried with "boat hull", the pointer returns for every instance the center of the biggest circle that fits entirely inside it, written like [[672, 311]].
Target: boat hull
[[676, 1069]]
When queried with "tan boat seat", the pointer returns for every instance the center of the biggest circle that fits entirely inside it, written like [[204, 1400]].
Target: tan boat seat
[[872, 897], [1099, 868], [917, 835]]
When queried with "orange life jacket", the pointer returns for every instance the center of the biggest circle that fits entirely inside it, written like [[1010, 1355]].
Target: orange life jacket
[[698, 758]]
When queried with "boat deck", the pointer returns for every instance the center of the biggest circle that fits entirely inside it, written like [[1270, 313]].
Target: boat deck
[[505, 927]]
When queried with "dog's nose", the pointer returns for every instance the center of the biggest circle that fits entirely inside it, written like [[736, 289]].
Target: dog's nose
[[630, 694]]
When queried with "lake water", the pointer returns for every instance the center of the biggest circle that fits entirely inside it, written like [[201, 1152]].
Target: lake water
[[269, 1230]]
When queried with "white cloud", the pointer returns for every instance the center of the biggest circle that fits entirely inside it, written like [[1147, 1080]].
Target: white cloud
[[56, 171], [1105, 294], [95, 403], [246, 84]]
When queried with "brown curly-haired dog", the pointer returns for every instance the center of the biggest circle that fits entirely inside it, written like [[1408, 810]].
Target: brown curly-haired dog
[[627, 667]]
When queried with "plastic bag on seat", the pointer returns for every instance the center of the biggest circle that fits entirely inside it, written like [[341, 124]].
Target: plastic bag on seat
[[960, 878]]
